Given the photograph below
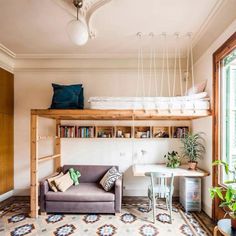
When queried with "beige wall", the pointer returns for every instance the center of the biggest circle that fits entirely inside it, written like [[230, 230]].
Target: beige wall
[[203, 70]]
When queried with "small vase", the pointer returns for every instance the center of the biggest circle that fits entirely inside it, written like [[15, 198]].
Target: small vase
[[192, 165], [233, 220]]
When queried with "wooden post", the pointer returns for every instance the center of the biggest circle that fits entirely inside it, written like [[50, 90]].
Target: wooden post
[[34, 167], [57, 160]]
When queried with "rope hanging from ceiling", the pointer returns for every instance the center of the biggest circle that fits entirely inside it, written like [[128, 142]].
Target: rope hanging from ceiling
[[168, 83]]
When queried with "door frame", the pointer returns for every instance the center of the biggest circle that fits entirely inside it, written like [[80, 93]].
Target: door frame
[[218, 56]]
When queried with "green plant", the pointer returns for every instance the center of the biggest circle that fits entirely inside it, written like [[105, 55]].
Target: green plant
[[173, 159], [227, 195], [193, 146]]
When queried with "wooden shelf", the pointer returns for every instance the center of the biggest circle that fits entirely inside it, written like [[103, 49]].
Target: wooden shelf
[[161, 132], [91, 114]]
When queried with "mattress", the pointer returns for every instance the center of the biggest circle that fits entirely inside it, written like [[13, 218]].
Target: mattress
[[194, 102]]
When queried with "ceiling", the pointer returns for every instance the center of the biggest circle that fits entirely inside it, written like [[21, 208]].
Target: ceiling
[[39, 26]]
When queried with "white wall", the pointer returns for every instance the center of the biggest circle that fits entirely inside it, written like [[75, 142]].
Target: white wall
[[203, 70], [33, 90]]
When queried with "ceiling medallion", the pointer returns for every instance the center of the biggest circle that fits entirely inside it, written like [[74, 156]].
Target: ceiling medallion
[[83, 11]]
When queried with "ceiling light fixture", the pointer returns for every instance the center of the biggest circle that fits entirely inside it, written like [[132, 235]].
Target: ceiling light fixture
[[77, 29]]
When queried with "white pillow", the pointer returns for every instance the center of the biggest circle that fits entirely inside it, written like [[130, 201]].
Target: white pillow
[[198, 88], [109, 179]]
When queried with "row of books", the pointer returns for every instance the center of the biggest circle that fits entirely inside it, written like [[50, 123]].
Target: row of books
[[180, 132], [75, 131]]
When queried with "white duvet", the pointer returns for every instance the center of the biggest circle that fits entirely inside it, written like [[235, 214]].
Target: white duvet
[[198, 101]]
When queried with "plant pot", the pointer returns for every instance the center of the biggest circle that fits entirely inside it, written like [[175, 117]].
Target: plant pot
[[192, 165], [233, 220]]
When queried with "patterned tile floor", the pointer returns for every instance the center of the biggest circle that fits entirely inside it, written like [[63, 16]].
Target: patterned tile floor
[[134, 220]]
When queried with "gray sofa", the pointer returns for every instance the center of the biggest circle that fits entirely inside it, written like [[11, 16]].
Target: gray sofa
[[87, 197]]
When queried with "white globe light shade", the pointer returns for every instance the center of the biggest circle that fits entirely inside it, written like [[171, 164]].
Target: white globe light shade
[[78, 32]]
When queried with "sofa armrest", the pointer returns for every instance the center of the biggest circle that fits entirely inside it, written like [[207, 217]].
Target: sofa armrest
[[118, 194], [44, 188]]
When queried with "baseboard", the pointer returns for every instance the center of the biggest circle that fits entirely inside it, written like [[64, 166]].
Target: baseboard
[[7, 195], [22, 192]]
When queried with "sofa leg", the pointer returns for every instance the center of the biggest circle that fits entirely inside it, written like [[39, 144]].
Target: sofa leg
[[44, 213]]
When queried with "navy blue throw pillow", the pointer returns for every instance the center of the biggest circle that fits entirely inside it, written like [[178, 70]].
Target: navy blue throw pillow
[[67, 96]]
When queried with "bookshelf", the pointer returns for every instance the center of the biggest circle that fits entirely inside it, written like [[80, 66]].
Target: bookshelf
[[121, 132]]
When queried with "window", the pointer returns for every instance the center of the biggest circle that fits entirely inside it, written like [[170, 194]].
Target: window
[[228, 101]]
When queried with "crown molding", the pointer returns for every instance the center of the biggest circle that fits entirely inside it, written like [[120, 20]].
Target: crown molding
[[205, 25], [84, 64], [7, 58]]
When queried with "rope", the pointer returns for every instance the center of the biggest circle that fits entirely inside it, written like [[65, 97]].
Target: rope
[[173, 92], [155, 72], [193, 82], [137, 86], [150, 74], [163, 67], [168, 69], [180, 74], [186, 84], [143, 82]]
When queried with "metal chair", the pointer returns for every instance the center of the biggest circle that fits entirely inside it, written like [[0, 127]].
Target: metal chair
[[162, 186]]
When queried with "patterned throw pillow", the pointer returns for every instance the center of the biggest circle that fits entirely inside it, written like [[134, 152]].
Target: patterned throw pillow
[[109, 179], [51, 181]]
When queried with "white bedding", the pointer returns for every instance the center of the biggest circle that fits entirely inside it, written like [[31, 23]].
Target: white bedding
[[194, 102]]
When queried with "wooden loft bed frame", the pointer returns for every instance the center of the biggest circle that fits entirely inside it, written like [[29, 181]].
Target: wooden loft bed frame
[[87, 114]]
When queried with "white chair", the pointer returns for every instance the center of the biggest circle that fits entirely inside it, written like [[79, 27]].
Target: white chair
[[162, 186]]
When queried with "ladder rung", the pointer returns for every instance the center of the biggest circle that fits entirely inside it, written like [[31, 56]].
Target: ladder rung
[[46, 137], [46, 158]]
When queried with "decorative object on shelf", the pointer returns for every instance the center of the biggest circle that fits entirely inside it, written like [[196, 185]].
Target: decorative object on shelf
[[173, 159], [226, 195], [104, 132], [67, 96], [180, 131], [193, 148], [161, 132], [142, 132]]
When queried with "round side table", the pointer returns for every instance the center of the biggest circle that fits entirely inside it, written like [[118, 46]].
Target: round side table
[[224, 227]]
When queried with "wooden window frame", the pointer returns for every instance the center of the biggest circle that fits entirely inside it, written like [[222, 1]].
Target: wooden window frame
[[218, 56]]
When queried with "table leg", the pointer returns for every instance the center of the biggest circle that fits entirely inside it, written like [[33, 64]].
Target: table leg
[[215, 230]]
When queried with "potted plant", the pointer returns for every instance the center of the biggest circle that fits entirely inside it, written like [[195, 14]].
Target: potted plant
[[173, 159], [228, 194], [193, 148]]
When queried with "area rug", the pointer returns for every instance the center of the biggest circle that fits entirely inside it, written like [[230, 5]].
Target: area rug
[[135, 219]]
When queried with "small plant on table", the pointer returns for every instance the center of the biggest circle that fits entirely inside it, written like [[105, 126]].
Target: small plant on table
[[173, 159]]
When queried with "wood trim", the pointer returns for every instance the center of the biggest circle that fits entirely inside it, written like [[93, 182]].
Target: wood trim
[[218, 56], [93, 114], [57, 147], [34, 167], [46, 158]]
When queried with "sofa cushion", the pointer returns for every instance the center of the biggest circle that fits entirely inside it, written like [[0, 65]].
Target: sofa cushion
[[84, 192]]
